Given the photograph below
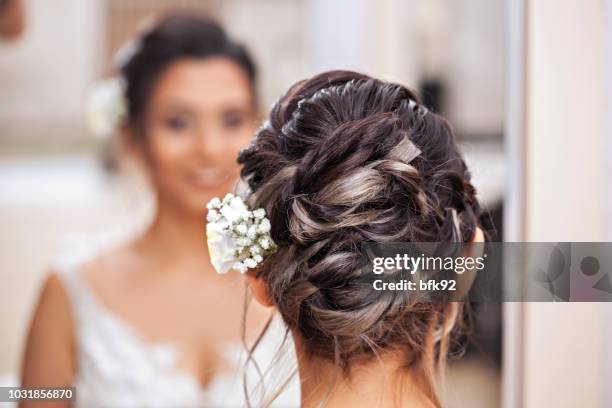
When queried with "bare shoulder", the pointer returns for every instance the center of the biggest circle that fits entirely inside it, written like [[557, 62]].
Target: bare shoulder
[[54, 308], [49, 352], [53, 299], [53, 315]]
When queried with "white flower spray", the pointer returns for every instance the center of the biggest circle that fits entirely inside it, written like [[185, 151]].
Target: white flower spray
[[237, 237], [106, 107]]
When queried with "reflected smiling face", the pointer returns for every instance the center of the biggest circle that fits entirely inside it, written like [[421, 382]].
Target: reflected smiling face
[[201, 113]]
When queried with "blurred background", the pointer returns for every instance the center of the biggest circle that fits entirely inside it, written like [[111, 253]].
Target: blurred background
[[57, 186]]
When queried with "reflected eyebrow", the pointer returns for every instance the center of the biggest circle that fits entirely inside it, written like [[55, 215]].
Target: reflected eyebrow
[[236, 109], [183, 105], [175, 106], [236, 105]]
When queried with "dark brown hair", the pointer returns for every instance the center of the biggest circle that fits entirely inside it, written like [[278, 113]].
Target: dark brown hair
[[176, 36], [333, 168]]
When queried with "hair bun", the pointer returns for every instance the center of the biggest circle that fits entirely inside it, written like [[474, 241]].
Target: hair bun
[[344, 159]]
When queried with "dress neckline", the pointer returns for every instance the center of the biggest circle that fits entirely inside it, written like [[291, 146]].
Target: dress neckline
[[109, 344], [164, 353]]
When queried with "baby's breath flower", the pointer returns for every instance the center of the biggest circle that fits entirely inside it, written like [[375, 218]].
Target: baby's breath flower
[[240, 267], [242, 241], [249, 263], [264, 226], [238, 238], [252, 232], [214, 203], [212, 216]]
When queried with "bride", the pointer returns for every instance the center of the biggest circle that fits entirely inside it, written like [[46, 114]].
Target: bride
[[148, 323], [345, 159]]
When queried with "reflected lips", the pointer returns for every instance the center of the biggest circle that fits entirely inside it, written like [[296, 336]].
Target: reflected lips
[[206, 178]]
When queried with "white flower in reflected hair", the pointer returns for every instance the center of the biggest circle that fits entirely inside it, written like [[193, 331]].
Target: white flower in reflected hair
[[237, 237], [106, 106]]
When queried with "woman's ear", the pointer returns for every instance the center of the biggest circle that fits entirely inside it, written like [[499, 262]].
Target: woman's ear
[[474, 250], [259, 289], [478, 239]]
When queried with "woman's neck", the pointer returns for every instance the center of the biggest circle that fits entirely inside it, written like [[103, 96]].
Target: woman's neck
[[379, 383], [176, 236]]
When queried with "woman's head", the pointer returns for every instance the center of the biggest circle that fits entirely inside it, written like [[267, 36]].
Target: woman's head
[[344, 159], [191, 96]]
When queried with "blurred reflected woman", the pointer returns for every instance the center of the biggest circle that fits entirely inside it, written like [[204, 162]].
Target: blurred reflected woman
[[149, 323], [345, 159]]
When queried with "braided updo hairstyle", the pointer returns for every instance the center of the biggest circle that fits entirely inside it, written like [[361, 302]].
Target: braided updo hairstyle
[[333, 167]]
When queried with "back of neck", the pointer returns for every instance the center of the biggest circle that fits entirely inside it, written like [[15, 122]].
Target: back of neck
[[379, 383]]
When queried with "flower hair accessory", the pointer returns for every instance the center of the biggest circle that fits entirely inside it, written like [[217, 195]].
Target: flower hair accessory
[[238, 238], [106, 106]]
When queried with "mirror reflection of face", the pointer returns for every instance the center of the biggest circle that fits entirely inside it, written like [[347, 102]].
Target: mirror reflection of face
[[200, 115]]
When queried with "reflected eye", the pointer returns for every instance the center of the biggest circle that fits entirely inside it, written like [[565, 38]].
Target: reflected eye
[[176, 123], [233, 121]]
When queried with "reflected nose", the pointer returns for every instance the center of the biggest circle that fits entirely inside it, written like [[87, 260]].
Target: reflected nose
[[210, 143]]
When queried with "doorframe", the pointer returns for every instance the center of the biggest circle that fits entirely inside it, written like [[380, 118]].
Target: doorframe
[[514, 201]]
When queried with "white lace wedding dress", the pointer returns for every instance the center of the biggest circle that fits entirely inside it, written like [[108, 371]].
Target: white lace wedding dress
[[118, 368]]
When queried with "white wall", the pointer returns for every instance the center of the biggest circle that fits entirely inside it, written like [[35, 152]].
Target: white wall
[[476, 65], [459, 41], [565, 192], [44, 75], [607, 362]]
